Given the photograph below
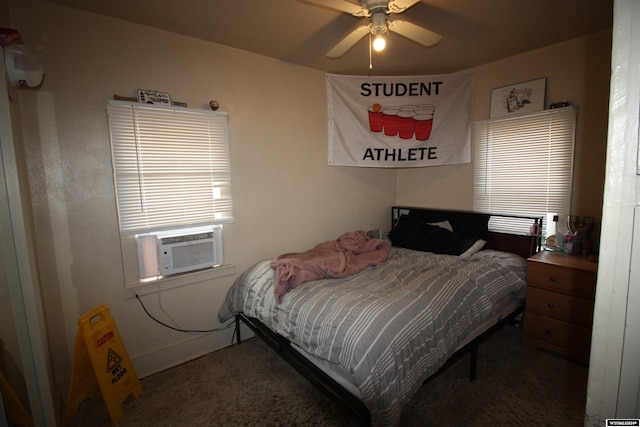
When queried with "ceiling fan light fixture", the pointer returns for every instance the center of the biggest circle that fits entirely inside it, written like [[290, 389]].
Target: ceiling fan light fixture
[[378, 22], [379, 28], [379, 43]]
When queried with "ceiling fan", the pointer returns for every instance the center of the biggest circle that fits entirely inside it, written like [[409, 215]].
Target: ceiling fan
[[377, 11]]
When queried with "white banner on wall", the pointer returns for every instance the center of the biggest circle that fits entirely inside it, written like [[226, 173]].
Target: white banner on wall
[[408, 121]]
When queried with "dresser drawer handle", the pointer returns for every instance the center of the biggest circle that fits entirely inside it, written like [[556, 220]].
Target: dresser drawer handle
[[552, 279], [550, 305]]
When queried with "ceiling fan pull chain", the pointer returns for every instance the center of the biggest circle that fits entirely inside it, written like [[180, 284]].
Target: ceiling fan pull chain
[[370, 62]]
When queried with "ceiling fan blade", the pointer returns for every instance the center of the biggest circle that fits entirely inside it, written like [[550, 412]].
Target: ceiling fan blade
[[397, 6], [414, 32], [341, 5], [348, 42]]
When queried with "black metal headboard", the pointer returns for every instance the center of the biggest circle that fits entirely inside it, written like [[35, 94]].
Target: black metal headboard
[[524, 242]]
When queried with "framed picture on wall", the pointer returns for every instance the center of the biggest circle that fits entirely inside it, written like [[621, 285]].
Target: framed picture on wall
[[519, 98]]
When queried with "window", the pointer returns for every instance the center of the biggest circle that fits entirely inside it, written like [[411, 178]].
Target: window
[[524, 165], [171, 166]]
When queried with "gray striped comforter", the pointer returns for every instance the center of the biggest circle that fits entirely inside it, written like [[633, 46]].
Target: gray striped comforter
[[392, 325]]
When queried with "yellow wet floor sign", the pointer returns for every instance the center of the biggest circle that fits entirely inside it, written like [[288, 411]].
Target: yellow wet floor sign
[[101, 365]]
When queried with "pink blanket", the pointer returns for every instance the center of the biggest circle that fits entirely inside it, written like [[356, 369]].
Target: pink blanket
[[349, 254]]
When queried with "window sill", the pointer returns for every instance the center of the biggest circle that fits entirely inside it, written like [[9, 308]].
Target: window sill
[[176, 281]]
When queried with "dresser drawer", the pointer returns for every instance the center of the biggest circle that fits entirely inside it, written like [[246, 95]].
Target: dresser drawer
[[559, 306], [566, 336], [560, 279]]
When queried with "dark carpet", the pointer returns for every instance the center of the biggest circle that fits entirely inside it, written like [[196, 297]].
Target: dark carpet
[[250, 385]]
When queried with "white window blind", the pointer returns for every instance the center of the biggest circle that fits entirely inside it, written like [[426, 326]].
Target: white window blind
[[171, 166], [524, 164]]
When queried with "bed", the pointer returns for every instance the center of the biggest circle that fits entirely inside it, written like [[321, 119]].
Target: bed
[[370, 339]]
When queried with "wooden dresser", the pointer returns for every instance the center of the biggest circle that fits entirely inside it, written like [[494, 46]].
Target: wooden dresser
[[559, 304]]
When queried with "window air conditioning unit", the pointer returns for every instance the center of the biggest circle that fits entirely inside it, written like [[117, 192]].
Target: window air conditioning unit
[[164, 253]]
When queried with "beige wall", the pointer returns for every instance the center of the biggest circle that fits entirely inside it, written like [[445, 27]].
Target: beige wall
[[577, 71], [286, 197]]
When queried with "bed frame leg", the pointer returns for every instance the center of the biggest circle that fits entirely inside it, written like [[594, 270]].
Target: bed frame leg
[[237, 331], [474, 362]]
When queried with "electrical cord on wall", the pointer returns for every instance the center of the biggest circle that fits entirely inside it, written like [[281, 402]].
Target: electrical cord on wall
[[196, 331], [159, 293]]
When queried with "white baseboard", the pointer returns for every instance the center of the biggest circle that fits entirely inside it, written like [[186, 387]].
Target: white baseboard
[[184, 351]]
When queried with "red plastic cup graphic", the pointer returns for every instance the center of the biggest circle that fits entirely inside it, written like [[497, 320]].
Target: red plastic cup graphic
[[428, 107], [423, 124], [390, 121], [406, 124], [375, 119]]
